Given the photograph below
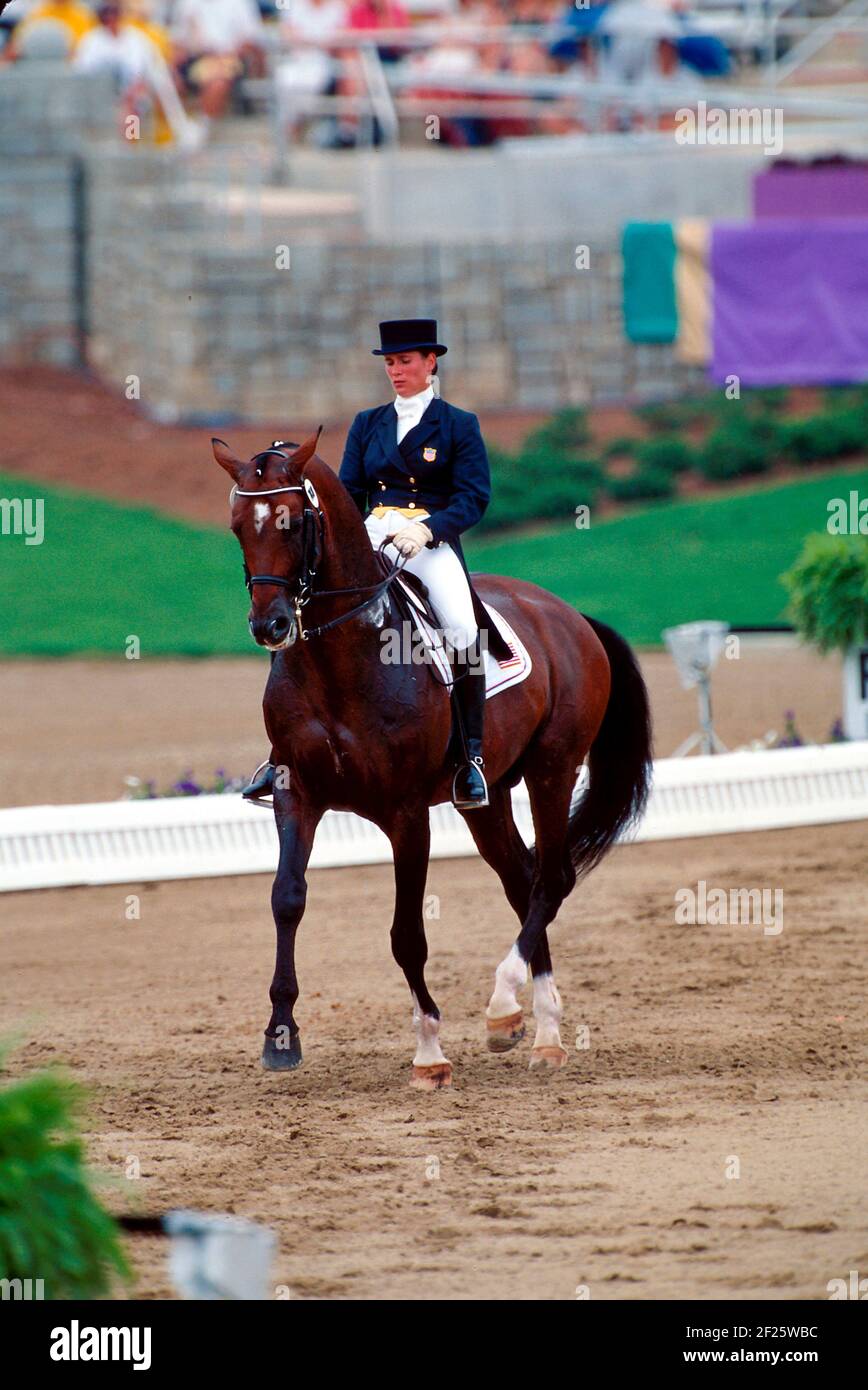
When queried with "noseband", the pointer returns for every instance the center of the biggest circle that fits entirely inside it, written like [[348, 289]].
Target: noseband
[[312, 522]]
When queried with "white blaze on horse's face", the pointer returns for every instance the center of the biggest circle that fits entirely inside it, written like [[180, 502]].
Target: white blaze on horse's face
[[261, 513]]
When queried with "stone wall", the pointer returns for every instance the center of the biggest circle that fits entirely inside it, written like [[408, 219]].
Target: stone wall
[[183, 303], [199, 311], [45, 117]]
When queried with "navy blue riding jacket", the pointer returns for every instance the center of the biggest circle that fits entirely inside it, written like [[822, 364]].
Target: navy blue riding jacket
[[440, 466]]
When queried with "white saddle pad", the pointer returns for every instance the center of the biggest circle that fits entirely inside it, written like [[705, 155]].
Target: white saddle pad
[[499, 675]]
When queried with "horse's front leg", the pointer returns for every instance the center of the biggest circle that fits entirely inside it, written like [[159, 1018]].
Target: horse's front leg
[[296, 825], [410, 835]]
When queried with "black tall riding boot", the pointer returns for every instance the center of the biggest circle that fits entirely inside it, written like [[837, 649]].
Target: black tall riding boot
[[469, 787]]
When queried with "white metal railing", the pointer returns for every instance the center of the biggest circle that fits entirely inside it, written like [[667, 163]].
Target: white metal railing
[[210, 836], [813, 39], [388, 87]]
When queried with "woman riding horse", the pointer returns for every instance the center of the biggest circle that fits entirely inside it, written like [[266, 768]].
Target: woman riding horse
[[424, 462]]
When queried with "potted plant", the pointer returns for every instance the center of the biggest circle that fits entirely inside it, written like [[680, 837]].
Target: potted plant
[[56, 1240], [828, 588]]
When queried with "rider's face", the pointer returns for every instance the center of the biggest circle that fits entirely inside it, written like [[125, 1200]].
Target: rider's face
[[409, 371]]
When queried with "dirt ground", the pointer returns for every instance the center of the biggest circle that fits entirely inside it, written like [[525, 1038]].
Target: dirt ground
[[73, 730], [707, 1046]]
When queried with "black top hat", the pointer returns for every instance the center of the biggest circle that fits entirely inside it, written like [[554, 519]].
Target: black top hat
[[408, 335]]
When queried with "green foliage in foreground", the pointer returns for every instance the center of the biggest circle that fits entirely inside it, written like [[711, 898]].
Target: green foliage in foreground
[[51, 1225]]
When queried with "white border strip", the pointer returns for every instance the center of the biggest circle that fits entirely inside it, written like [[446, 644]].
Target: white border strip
[[211, 836]]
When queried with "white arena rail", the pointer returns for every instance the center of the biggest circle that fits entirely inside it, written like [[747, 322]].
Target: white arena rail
[[209, 836]]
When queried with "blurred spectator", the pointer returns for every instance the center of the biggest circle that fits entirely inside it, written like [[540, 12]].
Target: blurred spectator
[[462, 51], [220, 41], [640, 50], [115, 48], [13, 14], [365, 16], [143, 15], [70, 19], [310, 67], [163, 117], [380, 14], [530, 12], [575, 27]]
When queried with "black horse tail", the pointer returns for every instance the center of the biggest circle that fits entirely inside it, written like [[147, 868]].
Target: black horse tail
[[619, 760]]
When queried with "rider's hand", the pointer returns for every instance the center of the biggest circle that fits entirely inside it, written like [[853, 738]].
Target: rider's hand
[[410, 539]]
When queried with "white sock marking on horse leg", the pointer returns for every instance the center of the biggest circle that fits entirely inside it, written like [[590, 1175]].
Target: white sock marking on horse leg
[[428, 1050], [509, 976], [547, 1010]]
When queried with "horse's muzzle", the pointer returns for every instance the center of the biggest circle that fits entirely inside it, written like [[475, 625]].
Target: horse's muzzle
[[275, 631]]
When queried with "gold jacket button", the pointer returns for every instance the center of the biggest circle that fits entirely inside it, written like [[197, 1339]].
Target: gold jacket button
[[412, 505], [412, 480]]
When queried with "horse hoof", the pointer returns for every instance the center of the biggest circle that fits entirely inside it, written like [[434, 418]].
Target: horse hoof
[[433, 1077], [285, 1058], [548, 1058], [505, 1033]]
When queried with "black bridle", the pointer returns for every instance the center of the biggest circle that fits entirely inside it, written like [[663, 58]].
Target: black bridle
[[301, 589]]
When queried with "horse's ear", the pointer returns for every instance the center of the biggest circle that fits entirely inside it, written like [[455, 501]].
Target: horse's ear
[[226, 459], [306, 450]]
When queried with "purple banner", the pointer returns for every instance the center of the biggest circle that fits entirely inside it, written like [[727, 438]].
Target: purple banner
[[824, 192], [790, 302]]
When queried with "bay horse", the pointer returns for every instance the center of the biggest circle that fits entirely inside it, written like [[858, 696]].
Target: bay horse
[[351, 732]]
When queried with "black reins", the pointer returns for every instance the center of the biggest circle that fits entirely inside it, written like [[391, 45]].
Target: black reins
[[312, 522]]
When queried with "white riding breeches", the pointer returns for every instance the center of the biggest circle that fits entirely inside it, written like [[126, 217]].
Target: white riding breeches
[[438, 568]]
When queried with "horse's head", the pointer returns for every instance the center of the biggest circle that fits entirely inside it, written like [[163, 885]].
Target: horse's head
[[276, 517]]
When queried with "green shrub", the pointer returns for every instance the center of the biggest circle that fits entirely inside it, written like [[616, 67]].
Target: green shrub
[[766, 400], [737, 450], [644, 485], [828, 588], [508, 495], [538, 486], [51, 1225], [667, 453], [667, 417], [501, 463], [833, 434], [565, 433], [624, 444], [852, 397], [661, 417]]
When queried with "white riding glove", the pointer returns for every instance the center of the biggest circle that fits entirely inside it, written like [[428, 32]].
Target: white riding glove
[[410, 539]]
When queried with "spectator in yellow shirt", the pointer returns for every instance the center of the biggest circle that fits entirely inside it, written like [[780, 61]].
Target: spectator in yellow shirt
[[77, 18], [140, 14]]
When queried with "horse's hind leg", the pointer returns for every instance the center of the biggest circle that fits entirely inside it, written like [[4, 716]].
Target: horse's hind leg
[[498, 841], [548, 1050], [410, 835], [550, 787], [536, 884]]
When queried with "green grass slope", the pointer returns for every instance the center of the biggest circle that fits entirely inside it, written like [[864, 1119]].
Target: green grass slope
[[713, 558], [106, 572]]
